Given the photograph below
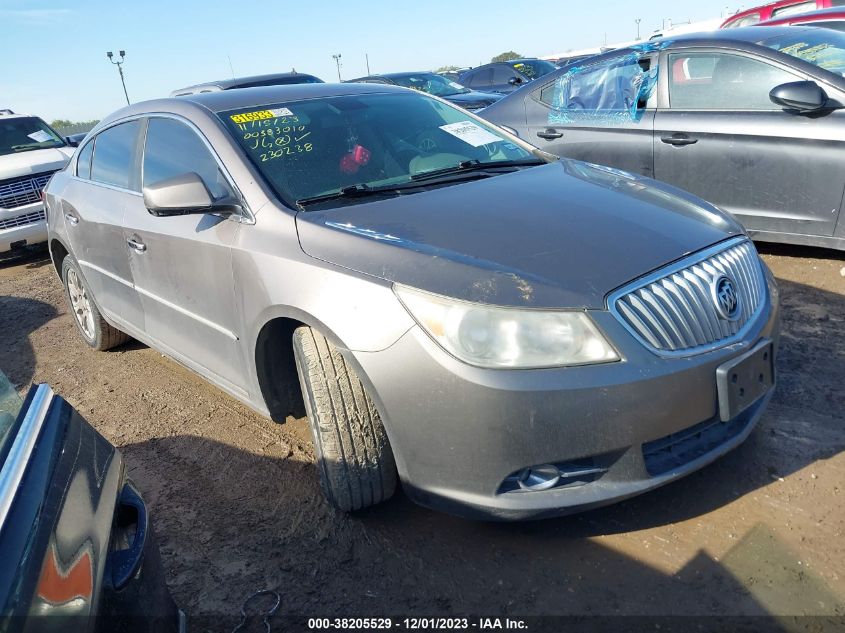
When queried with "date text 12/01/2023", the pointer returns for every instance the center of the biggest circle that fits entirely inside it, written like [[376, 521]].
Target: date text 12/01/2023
[[418, 624]]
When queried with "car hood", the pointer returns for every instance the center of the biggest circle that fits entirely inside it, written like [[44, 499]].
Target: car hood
[[473, 97], [557, 235], [34, 162]]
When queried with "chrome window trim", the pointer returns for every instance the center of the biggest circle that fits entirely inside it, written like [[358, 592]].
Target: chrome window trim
[[678, 266], [247, 218], [23, 446]]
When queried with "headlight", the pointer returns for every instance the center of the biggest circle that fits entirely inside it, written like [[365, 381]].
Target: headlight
[[489, 336]]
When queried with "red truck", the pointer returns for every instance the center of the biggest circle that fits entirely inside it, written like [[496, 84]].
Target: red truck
[[780, 9]]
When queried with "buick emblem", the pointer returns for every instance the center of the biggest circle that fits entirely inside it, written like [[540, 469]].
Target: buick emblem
[[725, 298]]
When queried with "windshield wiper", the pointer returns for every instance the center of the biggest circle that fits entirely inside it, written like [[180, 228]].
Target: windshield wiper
[[361, 190], [466, 169], [467, 166]]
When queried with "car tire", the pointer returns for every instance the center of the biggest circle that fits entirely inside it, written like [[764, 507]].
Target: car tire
[[354, 457], [90, 323]]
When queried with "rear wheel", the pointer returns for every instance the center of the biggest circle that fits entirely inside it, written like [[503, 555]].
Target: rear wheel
[[353, 454], [90, 323]]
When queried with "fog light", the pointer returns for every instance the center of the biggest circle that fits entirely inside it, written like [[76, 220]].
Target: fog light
[[540, 477]]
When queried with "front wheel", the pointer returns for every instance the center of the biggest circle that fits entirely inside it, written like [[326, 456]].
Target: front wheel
[[353, 454], [90, 323]]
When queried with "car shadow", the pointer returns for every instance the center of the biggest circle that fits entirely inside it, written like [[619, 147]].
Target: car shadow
[[230, 522], [19, 317]]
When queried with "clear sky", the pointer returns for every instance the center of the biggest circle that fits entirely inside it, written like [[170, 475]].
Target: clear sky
[[53, 53]]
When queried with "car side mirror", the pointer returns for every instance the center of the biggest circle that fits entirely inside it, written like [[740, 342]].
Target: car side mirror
[[184, 194], [515, 81], [803, 96], [71, 142]]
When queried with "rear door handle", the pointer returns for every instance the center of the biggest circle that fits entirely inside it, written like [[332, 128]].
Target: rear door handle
[[678, 140], [72, 219], [550, 134], [135, 245]]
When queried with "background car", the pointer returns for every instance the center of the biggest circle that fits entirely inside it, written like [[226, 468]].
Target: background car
[[277, 79], [75, 534], [783, 8], [497, 329], [824, 18], [452, 75], [436, 85], [749, 119], [505, 77], [30, 153]]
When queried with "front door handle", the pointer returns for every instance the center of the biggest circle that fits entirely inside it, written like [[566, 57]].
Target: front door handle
[[72, 219], [678, 140], [550, 134], [135, 245]]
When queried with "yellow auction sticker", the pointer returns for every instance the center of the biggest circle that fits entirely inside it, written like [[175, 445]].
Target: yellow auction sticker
[[259, 115], [246, 117]]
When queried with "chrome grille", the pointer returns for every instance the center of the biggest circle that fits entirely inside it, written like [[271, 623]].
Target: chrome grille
[[23, 220], [17, 192], [674, 312]]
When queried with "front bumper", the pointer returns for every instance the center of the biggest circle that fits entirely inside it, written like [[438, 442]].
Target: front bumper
[[458, 432], [32, 230]]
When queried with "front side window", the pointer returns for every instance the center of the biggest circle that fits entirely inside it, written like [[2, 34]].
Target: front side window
[[114, 155], [824, 48], [83, 163], [722, 81], [173, 149], [604, 93], [502, 74], [320, 146], [25, 134]]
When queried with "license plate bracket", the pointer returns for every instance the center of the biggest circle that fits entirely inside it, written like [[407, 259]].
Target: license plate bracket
[[745, 379]]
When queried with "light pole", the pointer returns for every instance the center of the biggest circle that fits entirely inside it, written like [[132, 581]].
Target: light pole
[[638, 20], [119, 65], [337, 61]]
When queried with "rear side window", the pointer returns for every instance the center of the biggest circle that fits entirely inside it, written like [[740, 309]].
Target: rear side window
[[719, 81], [114, 156], [173, 149], [83, 163], [802, 7]]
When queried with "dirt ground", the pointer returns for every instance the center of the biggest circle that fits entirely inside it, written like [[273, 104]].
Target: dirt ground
[[237, 507]]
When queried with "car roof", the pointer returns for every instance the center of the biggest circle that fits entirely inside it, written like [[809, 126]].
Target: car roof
[[245, 97], [406, 74], [8, 114], [228, 84], [746, 34]]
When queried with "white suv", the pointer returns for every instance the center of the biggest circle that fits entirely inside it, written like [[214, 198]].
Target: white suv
[[30, 152]]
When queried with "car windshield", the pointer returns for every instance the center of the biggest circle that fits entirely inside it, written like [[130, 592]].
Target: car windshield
[[431, 83], [23, 134], [318, 147], [533, 68], [824, 48], [10, 406]]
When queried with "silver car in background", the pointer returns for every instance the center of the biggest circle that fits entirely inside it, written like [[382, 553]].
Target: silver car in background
[[509, 335], [751, 119]]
